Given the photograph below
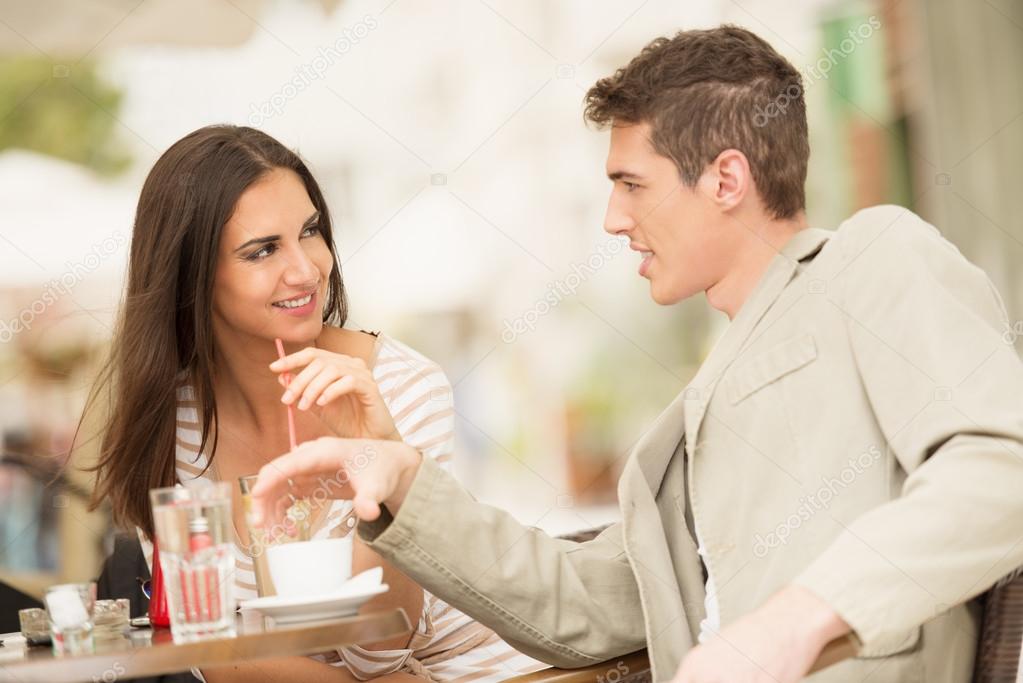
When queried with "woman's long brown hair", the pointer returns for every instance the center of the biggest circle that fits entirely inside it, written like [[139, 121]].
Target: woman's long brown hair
[[164, 332]]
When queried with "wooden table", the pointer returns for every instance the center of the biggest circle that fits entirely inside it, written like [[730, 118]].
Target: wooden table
[[148, 652]]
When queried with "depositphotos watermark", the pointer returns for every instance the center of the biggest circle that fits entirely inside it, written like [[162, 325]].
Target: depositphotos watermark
[[615, 674], [817, 71], [61, 286], [558, 290], [1013, 332], [313, 70], [815, 502], [111, 674]]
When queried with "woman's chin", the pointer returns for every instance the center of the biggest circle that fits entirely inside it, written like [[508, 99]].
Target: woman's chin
[[302, 332]]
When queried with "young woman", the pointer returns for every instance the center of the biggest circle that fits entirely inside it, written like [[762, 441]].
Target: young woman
[[233, 248]]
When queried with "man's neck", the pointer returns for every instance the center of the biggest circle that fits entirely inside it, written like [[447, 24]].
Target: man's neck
[[754, 251]]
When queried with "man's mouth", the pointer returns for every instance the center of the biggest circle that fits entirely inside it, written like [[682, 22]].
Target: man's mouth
[[644, 265], [645, 253], [295, 302]]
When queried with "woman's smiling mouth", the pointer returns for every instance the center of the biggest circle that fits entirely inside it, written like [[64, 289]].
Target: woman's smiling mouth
[[299, 305]]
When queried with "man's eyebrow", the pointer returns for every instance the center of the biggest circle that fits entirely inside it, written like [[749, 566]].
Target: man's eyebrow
[[619, 175], [273, 238]]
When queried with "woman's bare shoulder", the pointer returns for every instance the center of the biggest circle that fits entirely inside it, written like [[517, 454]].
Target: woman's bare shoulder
[[355, 343]]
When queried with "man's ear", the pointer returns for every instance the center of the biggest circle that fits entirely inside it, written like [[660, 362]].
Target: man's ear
[[727, 179]]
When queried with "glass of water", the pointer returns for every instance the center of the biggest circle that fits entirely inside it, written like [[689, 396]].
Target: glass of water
[[193, 529], [70, 609]]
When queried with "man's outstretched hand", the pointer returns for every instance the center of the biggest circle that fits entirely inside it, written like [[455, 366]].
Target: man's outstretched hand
[[368, 472]]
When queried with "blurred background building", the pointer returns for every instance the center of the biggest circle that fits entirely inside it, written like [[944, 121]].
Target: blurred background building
[[449, 141]]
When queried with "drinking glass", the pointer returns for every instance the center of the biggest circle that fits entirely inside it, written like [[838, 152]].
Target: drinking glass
[[70, 606], [193, 529]]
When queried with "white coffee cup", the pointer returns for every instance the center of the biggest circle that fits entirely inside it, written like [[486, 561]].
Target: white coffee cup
[[307, 568]]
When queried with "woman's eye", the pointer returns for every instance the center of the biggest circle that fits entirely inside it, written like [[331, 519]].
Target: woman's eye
[[269, 249], [263, 252]]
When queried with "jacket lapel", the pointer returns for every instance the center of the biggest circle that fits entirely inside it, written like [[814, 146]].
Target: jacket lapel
[[779, 273], [647, 546]]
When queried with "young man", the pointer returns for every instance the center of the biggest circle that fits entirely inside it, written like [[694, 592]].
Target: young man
[[845, 466]]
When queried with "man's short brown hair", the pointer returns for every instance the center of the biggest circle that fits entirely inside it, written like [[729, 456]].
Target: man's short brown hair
[[703, 92]]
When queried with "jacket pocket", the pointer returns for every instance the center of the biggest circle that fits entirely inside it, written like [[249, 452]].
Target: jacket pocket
[[771, 365], [891, 645]]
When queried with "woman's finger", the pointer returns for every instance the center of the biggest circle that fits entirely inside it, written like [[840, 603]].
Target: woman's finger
[[296, 360], [301, 380], [326, 377], [300, 359], [340, 387]]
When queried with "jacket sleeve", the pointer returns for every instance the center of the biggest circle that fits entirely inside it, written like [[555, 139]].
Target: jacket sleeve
[[929, 335], [567, 604]]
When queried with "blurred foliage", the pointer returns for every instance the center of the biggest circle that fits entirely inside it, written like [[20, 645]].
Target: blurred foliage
[[64, 111]]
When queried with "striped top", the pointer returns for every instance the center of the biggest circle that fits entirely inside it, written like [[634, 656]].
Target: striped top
[[447, 644]]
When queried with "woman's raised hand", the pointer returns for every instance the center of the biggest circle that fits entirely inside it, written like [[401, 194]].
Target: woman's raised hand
[[340, 390]]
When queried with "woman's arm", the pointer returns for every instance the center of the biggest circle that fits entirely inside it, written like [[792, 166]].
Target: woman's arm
[[281, 669], [293, 669], [414, 404], [404, 593], [421, 399]]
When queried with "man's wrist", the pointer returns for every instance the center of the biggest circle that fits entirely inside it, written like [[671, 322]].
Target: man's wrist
[[807, 616], [409, 461]]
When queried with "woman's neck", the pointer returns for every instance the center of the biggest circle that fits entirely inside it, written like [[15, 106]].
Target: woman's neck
[[245, 389]]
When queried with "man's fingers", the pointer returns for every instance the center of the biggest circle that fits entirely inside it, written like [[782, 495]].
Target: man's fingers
[[318, 468], [366, 508]]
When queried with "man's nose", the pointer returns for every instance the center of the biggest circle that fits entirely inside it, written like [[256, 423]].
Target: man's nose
[[616, 220]]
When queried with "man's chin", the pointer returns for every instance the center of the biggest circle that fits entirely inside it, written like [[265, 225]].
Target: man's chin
[[665, 296]]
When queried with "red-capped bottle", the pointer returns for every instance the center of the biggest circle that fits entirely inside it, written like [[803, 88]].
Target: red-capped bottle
[[159, 615]]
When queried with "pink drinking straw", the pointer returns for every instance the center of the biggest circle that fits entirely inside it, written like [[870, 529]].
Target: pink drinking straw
[[291, 410]]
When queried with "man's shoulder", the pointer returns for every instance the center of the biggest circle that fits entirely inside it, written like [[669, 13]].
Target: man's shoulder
[[887, 231], [889, 244], [886, 251]]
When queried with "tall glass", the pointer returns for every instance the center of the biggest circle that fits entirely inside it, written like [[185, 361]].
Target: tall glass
[[193, 530]]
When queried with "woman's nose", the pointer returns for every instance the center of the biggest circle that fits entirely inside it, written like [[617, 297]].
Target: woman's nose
[[300, 269]]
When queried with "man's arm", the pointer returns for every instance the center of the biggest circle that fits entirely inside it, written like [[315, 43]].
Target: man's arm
[[568, 604], [926, 328], [927, 331]]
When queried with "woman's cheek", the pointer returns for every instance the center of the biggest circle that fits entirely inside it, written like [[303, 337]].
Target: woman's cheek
[[322, 258]]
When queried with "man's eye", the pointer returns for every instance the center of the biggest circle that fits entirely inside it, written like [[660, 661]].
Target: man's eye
[[629, 186]]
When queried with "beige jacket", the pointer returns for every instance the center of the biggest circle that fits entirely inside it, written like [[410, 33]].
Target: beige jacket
[[858, 430]]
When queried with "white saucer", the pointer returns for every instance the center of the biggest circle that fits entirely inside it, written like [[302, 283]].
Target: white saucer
[[344, 603]]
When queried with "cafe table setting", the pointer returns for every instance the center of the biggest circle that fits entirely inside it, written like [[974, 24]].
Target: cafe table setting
[[307, 601]]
